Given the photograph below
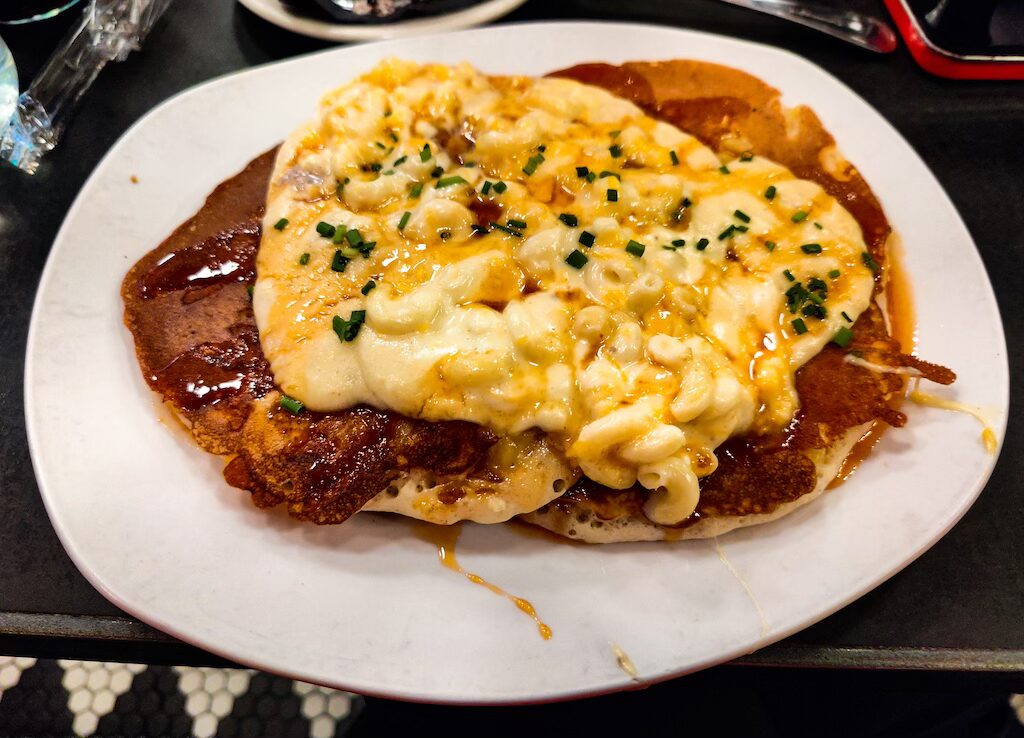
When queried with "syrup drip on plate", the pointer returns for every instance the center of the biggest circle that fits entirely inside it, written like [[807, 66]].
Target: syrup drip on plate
[[445, 538]]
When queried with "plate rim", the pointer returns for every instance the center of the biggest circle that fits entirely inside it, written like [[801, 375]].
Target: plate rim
[[480, 13], [870, 582]]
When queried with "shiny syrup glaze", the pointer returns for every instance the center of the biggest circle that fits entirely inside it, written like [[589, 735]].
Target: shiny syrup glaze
[[228, 257], [213, 372]]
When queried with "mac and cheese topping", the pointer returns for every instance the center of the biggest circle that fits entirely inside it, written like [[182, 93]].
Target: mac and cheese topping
[[525, 253]]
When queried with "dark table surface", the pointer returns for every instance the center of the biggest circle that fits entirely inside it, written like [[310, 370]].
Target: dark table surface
[[958, 609]]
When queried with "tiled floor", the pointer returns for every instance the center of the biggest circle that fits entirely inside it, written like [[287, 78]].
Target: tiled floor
[[61, 699], [90, 698]]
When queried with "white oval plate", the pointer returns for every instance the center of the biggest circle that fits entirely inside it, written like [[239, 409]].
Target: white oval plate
[[274, 11], [365, 606]]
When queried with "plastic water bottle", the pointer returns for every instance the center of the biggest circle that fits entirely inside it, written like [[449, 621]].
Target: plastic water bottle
[[8, 84]]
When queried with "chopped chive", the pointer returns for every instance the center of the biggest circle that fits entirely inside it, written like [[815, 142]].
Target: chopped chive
[[249, 288], [576, 259], [608, 173], [679, 243], [291, 404], [304, 259], [393, 136], [799, 216], [869, 261], [746, 156], [834, 273], [486, 188], [635, 248], [742, 216], [846, 317], [591, 177], [587, 239], [532, 163], [325, 229], [444, 234], [582, 172], [354, 237], [612, 195], [281, 224], [769, 194], [341, 186], [741, 229], [365, 289], [542, 148], [349, 252], [347, 330], [506, 229], [469, 164], [813, 311], [339, 262], [702, 244], [811, 248], [479, 229], [674, 157], [339, 234], [436, 172], [416, 191], [723, 169], [569, 219], [799, 326], [366, 248], [425, 152], [376, 167], [379, 145], [500, 187], [449, 181], [615, 150], [770, 245], [842, 337], [400, 161], [404, 220], [788, 275], [517, 224], [388, 173], [726, 233], [818, 225]]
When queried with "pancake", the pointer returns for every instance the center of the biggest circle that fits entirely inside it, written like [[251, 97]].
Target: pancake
[[188, 307]]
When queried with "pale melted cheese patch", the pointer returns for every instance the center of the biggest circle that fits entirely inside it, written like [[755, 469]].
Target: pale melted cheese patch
[[639, 364]]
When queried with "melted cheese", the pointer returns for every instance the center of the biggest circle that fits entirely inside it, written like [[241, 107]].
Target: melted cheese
[[638, 365], [988, 436]]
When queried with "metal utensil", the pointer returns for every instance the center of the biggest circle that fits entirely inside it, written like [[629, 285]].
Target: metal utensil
[[863, 30]]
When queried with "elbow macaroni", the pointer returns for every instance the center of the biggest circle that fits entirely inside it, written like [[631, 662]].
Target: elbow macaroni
[[639, 361]]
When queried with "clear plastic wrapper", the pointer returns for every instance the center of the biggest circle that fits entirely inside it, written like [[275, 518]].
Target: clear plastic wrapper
[[108, 31]]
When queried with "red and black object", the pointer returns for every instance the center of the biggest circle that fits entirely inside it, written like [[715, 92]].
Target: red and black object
[[964, 39]]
